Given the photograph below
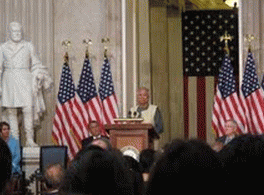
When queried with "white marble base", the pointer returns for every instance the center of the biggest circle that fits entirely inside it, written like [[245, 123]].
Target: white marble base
[[31, 159]]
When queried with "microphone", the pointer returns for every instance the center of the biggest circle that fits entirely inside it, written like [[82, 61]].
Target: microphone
[[135, 114], [129, 115]]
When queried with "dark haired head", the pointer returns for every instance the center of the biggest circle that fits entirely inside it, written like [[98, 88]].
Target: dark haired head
[[4, 124], [243, 160], [95, 171], [184, 164], [93, 122], [146, 159]]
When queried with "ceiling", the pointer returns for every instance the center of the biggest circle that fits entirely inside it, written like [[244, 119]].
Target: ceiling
[[195, 4]]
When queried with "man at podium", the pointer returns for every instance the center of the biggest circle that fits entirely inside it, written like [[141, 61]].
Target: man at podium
[[150, 113]]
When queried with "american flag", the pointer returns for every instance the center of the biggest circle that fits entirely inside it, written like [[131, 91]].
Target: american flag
[[253, 97], [202, 49], [227, 104], [67, 126], [202, 58], [87, 92], [107, 94]]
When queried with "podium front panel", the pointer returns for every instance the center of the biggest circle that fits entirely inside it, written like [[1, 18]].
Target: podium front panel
[[136, 138]]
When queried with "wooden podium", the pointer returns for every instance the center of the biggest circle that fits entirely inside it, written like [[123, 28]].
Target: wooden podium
[[137, 135]]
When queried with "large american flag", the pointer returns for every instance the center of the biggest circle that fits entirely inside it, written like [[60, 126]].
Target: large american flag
[[87, 92], [227, 104], [107, 94], [253, 97], [67, 126], [202, 58]]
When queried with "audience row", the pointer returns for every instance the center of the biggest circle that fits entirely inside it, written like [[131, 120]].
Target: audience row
[[183, 166]]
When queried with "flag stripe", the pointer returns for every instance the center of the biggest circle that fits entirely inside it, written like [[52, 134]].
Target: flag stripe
[[71, 117], [255, 112], [201, 108], [198, 98], [67, 126], [192, 107], [66, 140], [186, 106], [64, 128], [67, 121], [82, 113], [89, 97], [227, 105], [218, 121], [110, 109], [253, 97], [107, 94], [77, 126]]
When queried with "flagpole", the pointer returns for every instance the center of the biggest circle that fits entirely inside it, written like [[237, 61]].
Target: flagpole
[[134, 52], [241, 42], [124, 65]]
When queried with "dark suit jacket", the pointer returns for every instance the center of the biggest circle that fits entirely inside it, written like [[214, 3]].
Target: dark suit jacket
[[223, 139], [87, 141]]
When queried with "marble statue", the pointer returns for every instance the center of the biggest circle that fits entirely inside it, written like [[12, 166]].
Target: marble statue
[[22, 77]]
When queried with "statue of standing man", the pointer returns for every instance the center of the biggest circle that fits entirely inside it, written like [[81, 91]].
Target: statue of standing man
[[21, 77]]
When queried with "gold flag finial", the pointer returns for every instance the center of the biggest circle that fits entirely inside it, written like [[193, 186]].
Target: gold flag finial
[[226, 37], [66, 44], [106, 42], [87, 42], [249, 38]]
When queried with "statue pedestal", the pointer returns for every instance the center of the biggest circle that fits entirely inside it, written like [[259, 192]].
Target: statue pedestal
[[31, 158]]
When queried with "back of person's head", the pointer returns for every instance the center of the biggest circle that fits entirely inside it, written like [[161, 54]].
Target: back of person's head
[[184, 165], [53, 176], [96, 171], [131, 163], [103, 142], [243, 160], [146, 159], [5, 164]]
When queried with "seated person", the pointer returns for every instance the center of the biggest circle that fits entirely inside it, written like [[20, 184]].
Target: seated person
[[14, 146], [230, 133], [95, 133], [150, 113], [5, 165], [53, 178]]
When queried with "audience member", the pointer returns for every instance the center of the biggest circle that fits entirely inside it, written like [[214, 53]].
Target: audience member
[[53, 178], [95, 133], [185, 166], [13, 145], [103, 142], [146, 159], [134, 174], [5, 164], [96, 171], [243, 160]]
